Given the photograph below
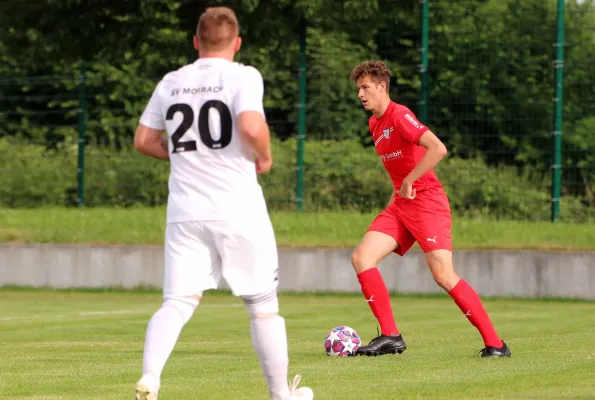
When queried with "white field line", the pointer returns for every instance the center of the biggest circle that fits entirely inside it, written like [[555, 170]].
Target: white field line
[[111, 312]]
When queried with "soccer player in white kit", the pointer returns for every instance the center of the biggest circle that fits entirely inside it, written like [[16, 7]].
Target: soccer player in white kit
[[217, 219]]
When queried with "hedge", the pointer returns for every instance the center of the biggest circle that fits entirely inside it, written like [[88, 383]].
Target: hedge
[[338, 175]]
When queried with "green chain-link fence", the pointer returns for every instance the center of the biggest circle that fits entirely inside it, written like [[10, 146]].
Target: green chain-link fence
[[485, 76]]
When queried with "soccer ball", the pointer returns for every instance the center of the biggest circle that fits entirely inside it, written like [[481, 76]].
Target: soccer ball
[[342, 341]]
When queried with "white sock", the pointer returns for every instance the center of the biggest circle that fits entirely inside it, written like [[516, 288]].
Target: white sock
[[163, 332], [269, 338]]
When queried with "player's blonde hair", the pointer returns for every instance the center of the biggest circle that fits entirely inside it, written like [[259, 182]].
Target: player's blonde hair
[[377, 70], [217, 28]]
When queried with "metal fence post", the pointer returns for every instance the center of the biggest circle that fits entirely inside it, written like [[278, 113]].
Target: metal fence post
[[82, 117], [301, 138], [558, 118], [424, 95]]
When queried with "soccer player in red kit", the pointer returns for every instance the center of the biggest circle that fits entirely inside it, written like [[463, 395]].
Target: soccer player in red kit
[[418, 210]]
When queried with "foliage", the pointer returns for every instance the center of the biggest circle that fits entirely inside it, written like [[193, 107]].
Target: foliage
[[340, 175], [491, 71]]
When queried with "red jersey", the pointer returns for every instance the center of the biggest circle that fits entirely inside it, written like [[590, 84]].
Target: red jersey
[[396, 137]]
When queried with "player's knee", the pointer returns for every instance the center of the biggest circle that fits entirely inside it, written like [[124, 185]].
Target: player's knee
[[442, 268], [359, 261], [445, 276], [264, 305], [185, 306]]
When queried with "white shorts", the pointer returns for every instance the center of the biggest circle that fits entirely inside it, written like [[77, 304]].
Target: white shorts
[[198, 254]]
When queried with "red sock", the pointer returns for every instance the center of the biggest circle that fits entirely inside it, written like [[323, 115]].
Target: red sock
[[376, 294], [470, 304]]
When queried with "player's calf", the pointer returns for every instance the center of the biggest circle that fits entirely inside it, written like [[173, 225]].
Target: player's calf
[[269, 339], [162, 333], [373, 248], [468, 301]]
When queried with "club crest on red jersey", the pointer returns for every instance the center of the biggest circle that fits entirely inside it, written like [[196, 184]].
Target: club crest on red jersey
[[385, 135]]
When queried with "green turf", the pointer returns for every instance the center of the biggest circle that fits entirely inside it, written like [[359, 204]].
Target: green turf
[[146, 226], [85, 345]]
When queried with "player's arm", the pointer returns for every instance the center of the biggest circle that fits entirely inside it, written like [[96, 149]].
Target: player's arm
[[255, 132], [148, 138], [252, 125], [150, 142], [415, 132], [435, 151]]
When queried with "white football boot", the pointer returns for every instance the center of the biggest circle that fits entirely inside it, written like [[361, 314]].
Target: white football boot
[[302, 393], [146, 388]]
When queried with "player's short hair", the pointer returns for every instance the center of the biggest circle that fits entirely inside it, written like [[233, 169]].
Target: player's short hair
[[217, 27], [377, 70]]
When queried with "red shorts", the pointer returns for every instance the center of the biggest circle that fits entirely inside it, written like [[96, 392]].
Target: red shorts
[[425, 219]]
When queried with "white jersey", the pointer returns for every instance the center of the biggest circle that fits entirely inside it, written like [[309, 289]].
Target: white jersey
[[213, 173]]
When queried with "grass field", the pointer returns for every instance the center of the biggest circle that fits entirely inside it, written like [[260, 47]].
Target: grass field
[[88, 345], [146, 226]]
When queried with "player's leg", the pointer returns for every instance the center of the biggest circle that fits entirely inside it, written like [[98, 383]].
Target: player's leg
[[429, 220], [191, 266], [385, 235], [162, 334], [467, 299], [249, 264], [269, 339]]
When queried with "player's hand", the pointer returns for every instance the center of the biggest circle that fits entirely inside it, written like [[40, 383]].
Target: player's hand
[[263, 165], [407, 190]]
